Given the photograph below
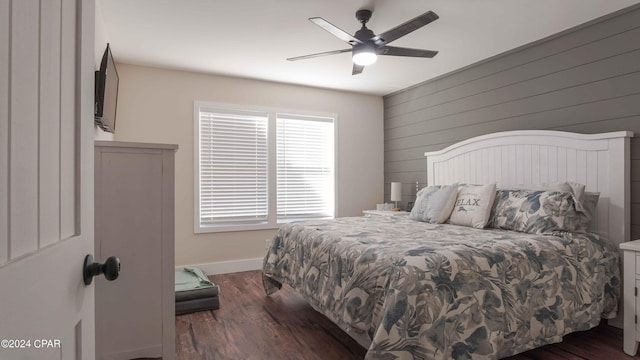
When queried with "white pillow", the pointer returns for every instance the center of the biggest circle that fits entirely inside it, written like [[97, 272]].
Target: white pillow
[[473, 206], [434, 204]]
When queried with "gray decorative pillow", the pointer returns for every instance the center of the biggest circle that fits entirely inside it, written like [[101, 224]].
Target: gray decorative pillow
[[427, 188], [434, 204], [590, 204], [537, 212], [575, 188]]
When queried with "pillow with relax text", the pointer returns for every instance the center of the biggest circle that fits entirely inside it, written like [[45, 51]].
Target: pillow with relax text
[[473, 206]]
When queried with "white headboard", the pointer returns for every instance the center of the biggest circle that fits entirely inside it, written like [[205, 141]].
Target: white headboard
[[521, 158]]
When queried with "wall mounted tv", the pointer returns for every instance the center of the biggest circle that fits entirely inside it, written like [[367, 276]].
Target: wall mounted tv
[[106, 93]]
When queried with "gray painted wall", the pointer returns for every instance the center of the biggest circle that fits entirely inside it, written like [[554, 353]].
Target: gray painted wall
[[584, 80]]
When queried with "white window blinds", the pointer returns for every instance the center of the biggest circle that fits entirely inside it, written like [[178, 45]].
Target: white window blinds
[[233, 166], [305, 166]]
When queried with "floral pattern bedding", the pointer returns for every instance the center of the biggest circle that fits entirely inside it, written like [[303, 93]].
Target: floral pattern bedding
[[440, 291]]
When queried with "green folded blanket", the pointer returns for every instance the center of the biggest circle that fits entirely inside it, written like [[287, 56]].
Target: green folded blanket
[[191, 278]]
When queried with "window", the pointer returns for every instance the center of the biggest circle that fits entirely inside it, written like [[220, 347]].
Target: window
[[257, 168], [305, 166], [233, 166]]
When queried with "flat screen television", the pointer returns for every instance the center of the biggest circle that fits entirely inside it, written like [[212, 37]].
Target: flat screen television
[[106, 93]]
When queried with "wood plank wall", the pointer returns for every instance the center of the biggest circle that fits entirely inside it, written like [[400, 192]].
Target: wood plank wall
[[585, 80], [39, 124]]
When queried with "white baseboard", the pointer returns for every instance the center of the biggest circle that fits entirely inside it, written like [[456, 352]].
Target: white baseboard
[[227, 267]]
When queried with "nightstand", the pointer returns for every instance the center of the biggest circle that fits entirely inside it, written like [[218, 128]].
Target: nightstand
[[385, 213], [631, 304]]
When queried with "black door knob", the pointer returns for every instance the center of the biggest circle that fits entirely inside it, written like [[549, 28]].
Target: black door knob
[[110, 269]]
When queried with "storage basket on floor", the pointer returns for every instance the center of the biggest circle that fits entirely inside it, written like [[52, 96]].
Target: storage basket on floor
[[194, 291]]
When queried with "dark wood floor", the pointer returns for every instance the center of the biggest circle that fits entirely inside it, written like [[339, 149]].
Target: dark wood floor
[[250, 325]]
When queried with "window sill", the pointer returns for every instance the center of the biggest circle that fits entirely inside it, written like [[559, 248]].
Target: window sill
[[199, 229], [231, 228]]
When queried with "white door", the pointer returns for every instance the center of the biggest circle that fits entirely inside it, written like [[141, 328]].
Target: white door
[[46, 178]]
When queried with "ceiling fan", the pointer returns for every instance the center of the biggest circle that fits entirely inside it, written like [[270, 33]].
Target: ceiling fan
[[365, 45]]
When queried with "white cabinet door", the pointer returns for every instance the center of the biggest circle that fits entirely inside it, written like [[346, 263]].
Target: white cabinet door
[[134, 204]]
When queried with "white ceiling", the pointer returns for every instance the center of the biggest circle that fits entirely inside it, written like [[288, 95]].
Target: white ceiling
[[252, 38]]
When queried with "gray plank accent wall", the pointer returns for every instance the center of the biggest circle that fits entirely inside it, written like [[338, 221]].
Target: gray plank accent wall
[[585, 79], [635, 187]]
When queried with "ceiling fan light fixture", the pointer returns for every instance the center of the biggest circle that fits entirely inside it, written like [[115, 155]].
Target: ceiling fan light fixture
[[366, 45], [364, 55]]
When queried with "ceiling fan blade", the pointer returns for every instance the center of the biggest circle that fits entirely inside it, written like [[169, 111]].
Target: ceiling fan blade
[[336, 31], [357, 69], [403, 29], [402, 51], [319, 54]]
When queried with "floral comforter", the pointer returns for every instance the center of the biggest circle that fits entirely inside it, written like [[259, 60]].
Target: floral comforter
[[427, 291]]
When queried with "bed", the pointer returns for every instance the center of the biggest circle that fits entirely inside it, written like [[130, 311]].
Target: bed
[[408, 289]]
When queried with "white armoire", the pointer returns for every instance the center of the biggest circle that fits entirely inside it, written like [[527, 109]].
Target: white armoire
[[134, 221]]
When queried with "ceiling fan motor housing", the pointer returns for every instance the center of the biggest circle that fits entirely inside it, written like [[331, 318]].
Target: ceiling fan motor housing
[[363, 15], [364, 34]]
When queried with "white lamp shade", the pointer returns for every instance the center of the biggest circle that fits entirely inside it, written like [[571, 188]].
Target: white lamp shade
[[364, 58], [364, 54], [396, 191]]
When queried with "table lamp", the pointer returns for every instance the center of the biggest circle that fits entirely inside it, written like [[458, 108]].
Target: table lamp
[[396, 193]]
